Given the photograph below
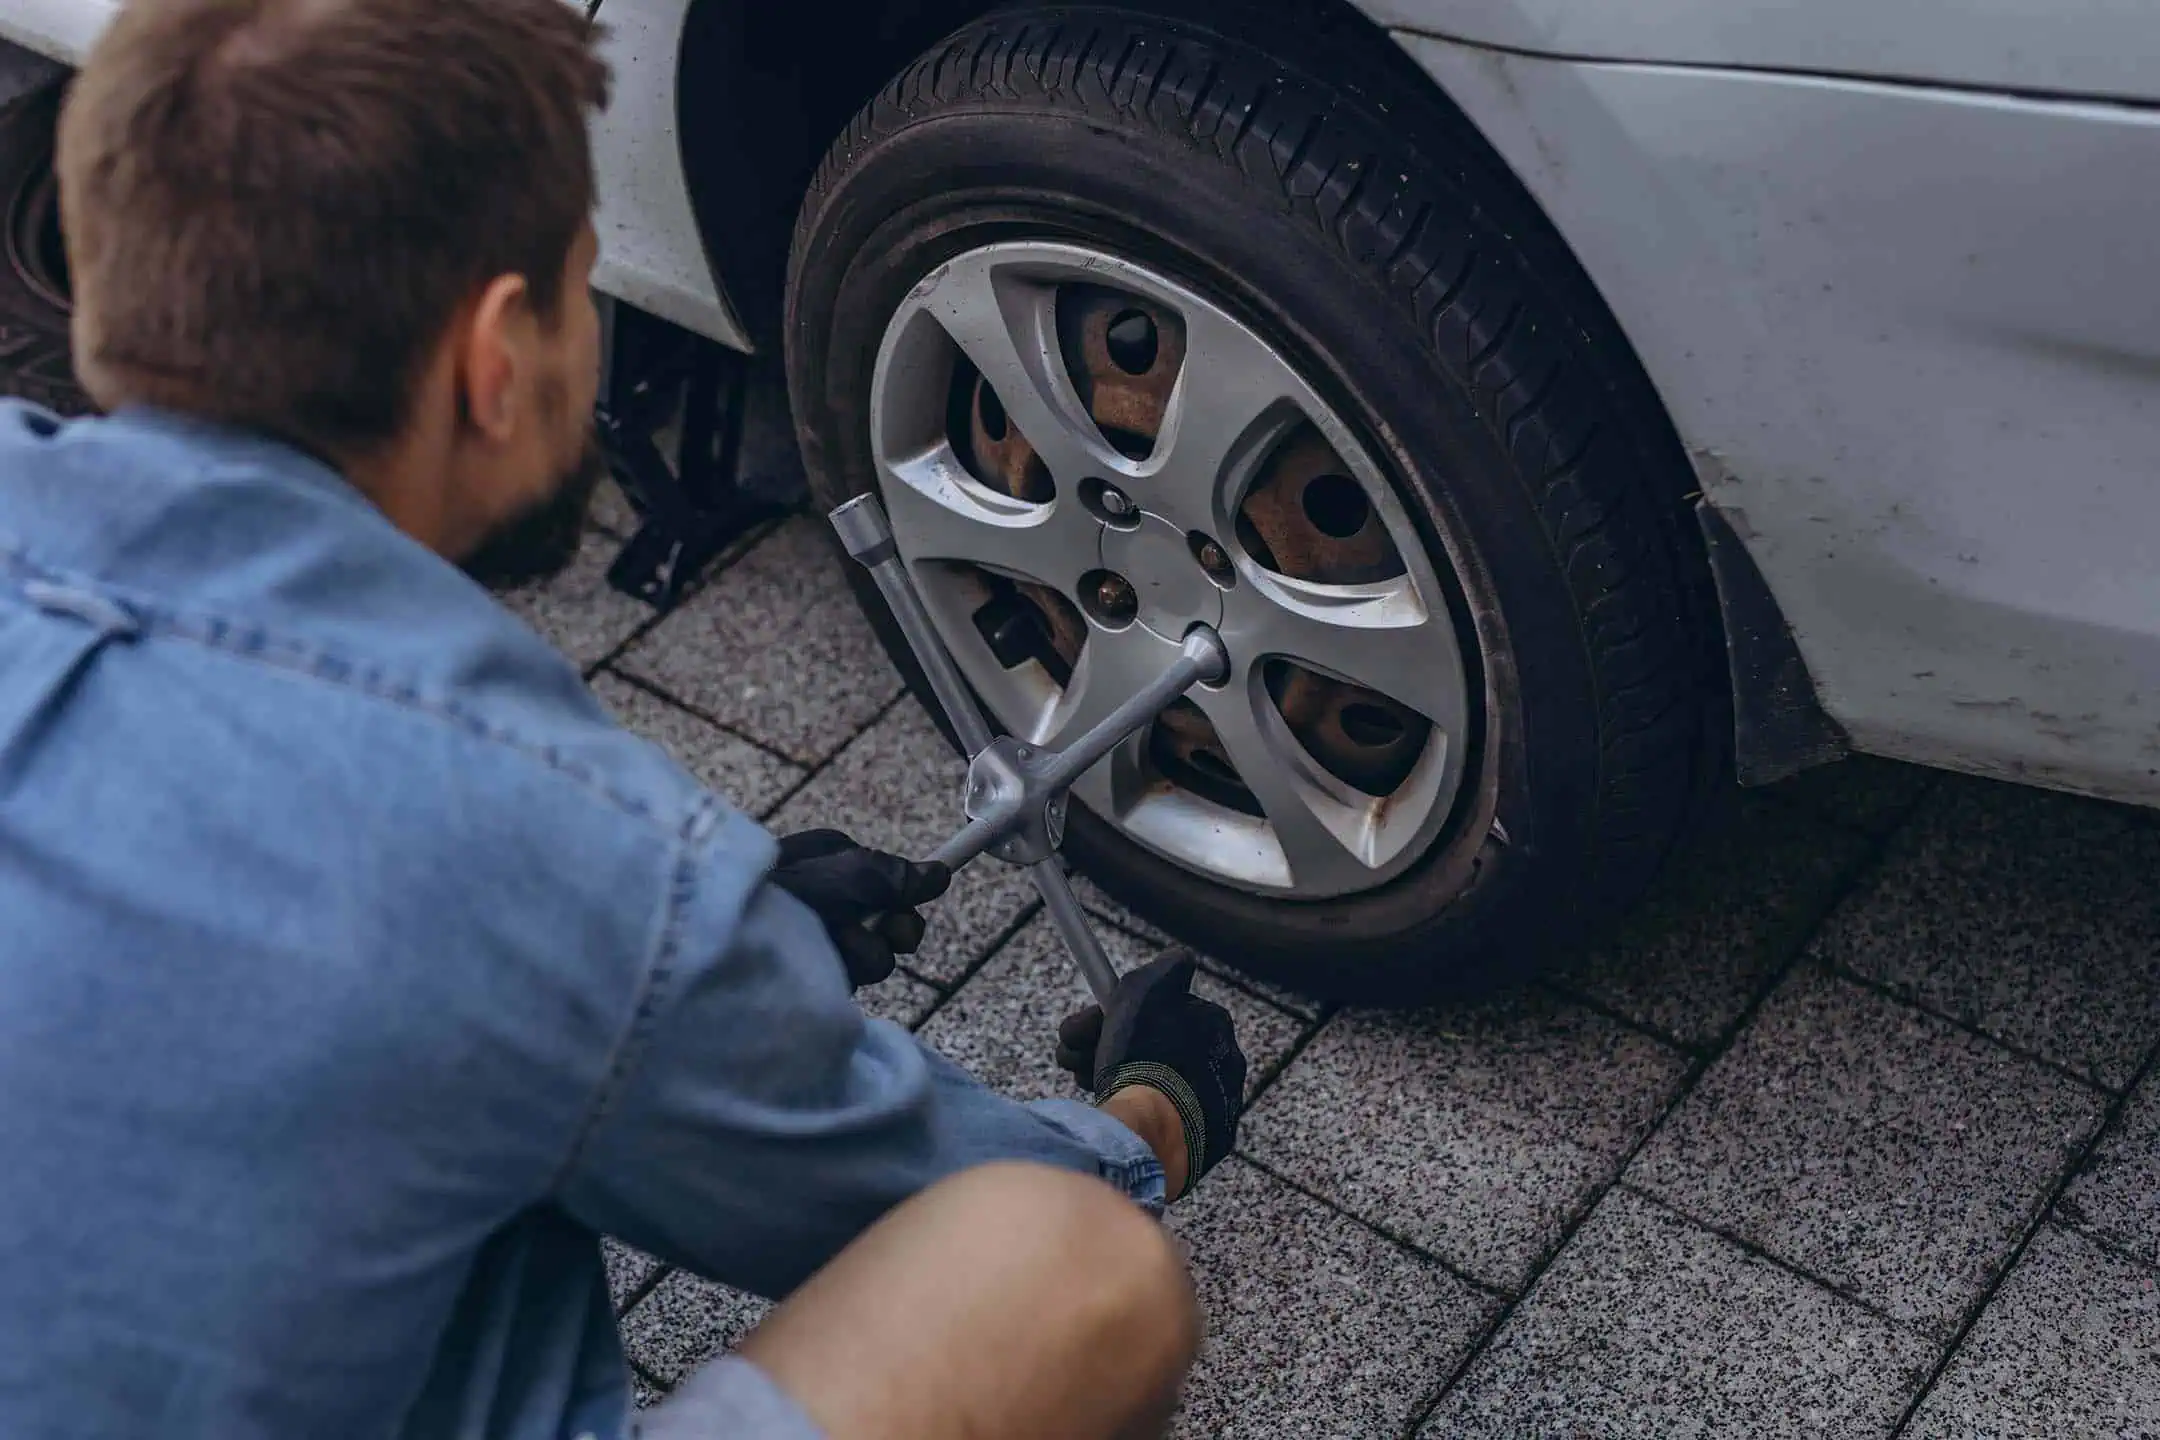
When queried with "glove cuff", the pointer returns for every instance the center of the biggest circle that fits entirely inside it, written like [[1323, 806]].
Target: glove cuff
[[1166, 1081]]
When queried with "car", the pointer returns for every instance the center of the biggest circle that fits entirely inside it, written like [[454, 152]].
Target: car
[[1559, 407]]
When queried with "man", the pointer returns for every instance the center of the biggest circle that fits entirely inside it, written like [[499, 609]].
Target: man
[[356, 972]]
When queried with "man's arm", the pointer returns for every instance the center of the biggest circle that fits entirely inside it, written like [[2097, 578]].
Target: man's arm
[[757, 1122]]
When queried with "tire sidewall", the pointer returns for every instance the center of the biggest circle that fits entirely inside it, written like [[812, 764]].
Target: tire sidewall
[[975, 173], [35, 359]]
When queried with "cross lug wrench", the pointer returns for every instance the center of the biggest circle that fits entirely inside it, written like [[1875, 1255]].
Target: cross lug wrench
[[1015, 796]]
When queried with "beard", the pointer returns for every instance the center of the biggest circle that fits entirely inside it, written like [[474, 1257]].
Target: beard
[[540, 541]]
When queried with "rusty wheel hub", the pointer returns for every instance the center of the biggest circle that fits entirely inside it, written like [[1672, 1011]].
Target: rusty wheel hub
[[1304, 517], [1083, 458]]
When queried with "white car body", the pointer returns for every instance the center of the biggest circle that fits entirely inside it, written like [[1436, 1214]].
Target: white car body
[[1889, 266]]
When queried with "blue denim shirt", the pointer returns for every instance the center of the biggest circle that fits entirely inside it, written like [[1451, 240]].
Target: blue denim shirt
[[357, 972]]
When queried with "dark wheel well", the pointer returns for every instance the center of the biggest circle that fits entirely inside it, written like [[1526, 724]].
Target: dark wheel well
[[765, 89]]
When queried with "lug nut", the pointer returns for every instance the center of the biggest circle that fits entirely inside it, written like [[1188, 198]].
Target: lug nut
[[1109, 504], [1213, 559], [1115, 600]]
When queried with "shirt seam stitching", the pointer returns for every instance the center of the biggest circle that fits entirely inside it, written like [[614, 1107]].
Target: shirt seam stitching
[[224, 636], [654, 987]]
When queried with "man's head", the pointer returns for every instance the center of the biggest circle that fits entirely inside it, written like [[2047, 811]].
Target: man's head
[[361, 226]]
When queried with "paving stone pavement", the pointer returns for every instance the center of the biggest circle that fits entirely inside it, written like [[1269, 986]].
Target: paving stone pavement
[[1855, 1131]]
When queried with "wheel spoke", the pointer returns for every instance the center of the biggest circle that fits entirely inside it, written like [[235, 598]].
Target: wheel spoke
[[1379, 636], [1233, 397], [940, 512], [1320, 828], [1235, 410], [1006, 324], [1113, 666]]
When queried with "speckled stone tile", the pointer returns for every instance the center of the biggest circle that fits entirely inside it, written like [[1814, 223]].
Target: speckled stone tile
[[1649, 1326], [1316, 1325], [775, 648], [1098, 903], [627, 1269], [1291, 1000], [1110, 912], [2118, 1196], [612, 512], [1868, 794], [1002, 1025], [902, 999], [1723, 923], [1873, 1146], [2069, 1346], [897, 787], [2034, 917], [1474, 1132], [1102, 907], [686, 1321], [643, 1393], [576, 611], [723, 763]]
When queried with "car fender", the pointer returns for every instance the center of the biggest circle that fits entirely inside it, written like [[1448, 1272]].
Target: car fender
[[1928, 419]]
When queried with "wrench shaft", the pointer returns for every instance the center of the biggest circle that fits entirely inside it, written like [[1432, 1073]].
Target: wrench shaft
[[1063, 908], [867, 534], [1201, 658]]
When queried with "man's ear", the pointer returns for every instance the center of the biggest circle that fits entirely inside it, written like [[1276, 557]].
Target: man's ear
[[494, 351]]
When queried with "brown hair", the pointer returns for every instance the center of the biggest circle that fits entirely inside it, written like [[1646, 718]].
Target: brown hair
[[274, 208]]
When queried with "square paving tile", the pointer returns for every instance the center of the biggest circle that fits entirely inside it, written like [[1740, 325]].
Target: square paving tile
[[1316, 1325], [774, 648], [1869, 794], [576, 611], [2118, 1196], [627, 1269], [1473, 1132], [1099, 904], [1102, 907], [2069, 1346], [902, 999], [723, 763], [897, 787], [1878, 1148], [1647, 1325], [2032, 916], [1002, 1025], [612, 512], [1723, 923], [686, 1321]]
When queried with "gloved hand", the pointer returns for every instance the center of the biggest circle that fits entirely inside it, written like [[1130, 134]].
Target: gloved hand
[[1156, 1032], [847, 885]]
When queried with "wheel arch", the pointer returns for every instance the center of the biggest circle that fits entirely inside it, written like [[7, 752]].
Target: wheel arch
[[762, 91], [761, 100]]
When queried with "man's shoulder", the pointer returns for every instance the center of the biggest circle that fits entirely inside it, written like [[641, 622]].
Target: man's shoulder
[[291, 599]]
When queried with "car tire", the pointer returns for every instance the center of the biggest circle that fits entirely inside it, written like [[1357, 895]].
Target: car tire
[[1297, 172], [35, 361]]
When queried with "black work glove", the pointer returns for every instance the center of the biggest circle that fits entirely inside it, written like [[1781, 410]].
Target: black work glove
[[866, 898], [1156, 1032]]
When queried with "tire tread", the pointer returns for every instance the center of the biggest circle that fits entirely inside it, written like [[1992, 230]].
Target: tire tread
[[1416, 229]]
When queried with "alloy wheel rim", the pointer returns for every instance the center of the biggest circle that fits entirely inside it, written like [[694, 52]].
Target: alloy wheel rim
[[1082, 458]]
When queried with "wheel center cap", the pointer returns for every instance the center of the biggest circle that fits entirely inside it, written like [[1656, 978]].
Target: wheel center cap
[[1175, 593]]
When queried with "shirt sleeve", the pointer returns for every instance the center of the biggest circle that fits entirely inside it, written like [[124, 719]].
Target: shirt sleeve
[[757, 1121]]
